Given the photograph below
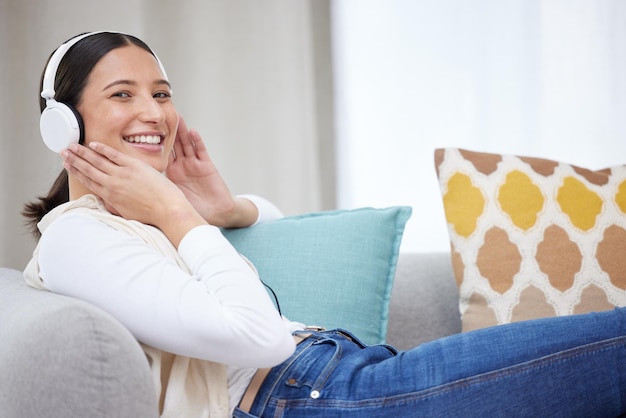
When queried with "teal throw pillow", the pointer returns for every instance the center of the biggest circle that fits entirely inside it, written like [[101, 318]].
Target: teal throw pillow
[[333, 269]]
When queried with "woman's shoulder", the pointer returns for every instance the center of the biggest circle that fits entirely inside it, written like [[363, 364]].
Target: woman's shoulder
[[85, 204]]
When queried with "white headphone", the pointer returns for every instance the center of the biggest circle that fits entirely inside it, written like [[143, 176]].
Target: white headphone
[[60, 124]]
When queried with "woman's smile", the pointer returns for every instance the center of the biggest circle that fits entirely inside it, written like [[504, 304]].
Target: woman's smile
[[146, 142], [144, 139]]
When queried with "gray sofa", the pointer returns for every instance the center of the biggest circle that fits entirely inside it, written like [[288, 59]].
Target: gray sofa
[[60, 357]]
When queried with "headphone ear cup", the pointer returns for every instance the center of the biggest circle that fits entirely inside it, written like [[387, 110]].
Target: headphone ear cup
[[60, 125]]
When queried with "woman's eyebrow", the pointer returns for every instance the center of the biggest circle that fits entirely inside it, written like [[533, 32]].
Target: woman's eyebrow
[[134, 83], [118, 82], [164, 81]]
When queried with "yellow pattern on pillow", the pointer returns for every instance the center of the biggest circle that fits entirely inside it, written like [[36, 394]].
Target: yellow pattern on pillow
[[532, 237]]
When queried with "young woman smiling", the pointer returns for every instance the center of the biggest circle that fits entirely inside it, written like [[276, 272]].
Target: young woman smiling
[[136, 213]]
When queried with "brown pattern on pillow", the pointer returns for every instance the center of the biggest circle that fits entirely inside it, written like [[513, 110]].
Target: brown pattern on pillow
[[532, 237]]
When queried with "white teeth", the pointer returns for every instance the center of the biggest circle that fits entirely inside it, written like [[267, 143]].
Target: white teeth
[[144, 139]]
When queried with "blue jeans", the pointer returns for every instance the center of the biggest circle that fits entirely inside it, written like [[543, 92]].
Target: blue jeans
[[573, 366]]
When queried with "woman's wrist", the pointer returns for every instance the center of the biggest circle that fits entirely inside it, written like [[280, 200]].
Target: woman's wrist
[[245, 213], [178, 221], [265, 210]]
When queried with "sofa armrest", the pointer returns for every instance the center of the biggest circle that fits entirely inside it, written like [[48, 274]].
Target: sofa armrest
[[61, 357], [425, 300]]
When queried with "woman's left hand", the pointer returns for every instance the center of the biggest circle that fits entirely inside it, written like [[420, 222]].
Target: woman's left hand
[[193, 171]]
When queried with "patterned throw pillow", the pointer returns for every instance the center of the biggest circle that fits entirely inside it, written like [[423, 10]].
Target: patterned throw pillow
[[532, 237]]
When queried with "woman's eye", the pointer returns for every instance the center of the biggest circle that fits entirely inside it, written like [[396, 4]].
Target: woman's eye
[[121, 94], [162, 95]]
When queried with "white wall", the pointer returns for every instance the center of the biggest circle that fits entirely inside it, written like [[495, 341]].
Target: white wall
[[531, 77]]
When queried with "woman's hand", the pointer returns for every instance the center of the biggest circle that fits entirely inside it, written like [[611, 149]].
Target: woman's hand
[[132, 189], [192, 170]]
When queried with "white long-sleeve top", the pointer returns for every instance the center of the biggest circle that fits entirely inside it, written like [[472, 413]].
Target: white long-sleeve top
[[216, 309]]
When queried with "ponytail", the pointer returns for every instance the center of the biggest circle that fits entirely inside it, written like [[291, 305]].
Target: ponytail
[[34, 211]]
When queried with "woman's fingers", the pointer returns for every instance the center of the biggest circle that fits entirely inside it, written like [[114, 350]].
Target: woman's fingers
[[79, 161], [74, 167], [85, 158], [97, 166], [198, 145], [111, 155], [177, 150], [183, 146]]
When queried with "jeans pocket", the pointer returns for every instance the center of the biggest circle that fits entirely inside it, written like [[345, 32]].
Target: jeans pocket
[[357, 341]]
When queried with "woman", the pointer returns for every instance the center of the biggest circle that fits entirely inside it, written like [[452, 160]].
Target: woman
[[145, 247]]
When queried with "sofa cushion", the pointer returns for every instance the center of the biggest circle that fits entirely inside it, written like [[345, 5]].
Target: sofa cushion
[[71, 358], [334, 269], [532, 237]]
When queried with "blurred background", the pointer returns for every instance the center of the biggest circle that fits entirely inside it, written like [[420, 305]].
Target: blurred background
[[324, 104]]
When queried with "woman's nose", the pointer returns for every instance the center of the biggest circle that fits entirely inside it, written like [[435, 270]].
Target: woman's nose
[[150, 110]]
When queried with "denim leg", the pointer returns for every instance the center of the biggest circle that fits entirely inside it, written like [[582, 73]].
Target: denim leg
[[559, 367]]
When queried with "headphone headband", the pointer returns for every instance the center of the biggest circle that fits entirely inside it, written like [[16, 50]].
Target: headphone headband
[[49, 75]]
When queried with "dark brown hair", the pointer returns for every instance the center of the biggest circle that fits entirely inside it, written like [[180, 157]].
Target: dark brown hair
[[71, 78]]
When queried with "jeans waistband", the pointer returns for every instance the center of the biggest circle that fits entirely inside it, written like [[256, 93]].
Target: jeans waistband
[[316, 357]]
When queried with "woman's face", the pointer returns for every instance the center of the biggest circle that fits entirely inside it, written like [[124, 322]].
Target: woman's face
[[127, 105]]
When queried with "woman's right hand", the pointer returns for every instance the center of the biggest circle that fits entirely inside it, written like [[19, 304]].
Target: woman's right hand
[[192, 170], [132, 189]]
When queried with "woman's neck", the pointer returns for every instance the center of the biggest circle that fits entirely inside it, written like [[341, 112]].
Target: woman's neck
[[76, 188]]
